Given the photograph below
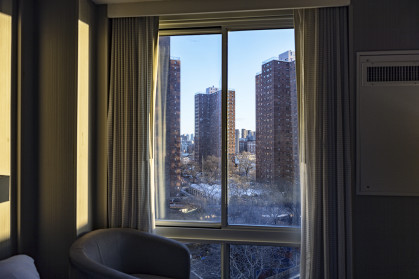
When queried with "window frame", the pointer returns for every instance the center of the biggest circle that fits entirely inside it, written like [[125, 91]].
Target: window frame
[[221, 232]]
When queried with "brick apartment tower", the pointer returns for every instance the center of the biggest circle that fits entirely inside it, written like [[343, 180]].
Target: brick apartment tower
[[172, 117], [208, 124], [277, 121]]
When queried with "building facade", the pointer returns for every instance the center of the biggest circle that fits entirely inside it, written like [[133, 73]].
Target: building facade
[[169, 75], [251, 146], [173, 149], [237, 147], [277, 121], [244, 133], [208, 124]]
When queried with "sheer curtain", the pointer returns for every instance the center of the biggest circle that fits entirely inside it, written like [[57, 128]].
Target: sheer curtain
[[160, 128], [133, 73], [323, 84]]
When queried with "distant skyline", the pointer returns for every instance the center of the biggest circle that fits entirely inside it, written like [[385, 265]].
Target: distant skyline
[[200, 57]]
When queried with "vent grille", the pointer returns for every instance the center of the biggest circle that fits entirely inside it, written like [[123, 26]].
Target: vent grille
[[393, 73]]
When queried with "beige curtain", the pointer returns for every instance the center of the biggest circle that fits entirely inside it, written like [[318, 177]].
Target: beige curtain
[[133, 73], [325, 142], [160, 129]]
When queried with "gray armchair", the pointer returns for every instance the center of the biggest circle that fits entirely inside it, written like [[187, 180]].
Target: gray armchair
[[128, 253]]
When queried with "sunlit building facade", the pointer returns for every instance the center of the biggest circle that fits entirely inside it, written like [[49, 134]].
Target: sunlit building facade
[[208, 124], [277, 121]]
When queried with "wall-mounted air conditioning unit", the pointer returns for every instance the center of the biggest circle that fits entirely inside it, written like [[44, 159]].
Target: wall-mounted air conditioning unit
[[388, 123]]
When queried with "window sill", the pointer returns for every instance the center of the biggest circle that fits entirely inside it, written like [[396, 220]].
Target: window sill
[[288, 236]]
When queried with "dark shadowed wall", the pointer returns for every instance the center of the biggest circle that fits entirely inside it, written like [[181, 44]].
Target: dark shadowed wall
[[57, 133], [47, 128], [385, 229], [28, 130], [100, 111]]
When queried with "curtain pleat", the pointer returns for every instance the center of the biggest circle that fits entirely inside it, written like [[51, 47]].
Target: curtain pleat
[[325, 141], [160, 128], [133, 73]]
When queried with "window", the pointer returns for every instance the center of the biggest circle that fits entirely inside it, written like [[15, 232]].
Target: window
[[198, 118], [237, 210], [254, 196]]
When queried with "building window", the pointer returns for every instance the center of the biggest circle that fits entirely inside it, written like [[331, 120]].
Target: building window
[[239, 211]]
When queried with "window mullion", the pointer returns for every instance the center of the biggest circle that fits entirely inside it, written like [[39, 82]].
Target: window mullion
[[225, 261], [224, 143]]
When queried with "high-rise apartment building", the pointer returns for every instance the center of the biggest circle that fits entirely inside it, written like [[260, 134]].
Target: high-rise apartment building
[[170, 72], [208, 123], [231, 123], [277, 121]]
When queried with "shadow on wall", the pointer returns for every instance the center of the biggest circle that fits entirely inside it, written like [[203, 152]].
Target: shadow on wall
[[5, 242], [5, 249], [4, 188]]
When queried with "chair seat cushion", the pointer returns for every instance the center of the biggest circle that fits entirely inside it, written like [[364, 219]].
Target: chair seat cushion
[[149, 276]]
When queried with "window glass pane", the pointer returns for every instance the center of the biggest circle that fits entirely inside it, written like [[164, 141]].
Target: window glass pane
[[188, 128], [205, 260], [259, 262], [263, 174]]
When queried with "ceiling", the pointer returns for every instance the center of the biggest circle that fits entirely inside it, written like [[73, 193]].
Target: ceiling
[[124, 1], [130, 8]]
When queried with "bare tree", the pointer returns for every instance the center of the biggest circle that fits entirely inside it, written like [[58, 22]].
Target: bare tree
[[249, 261], [284, 196], [189, 169], [205, 260], [211, 169], [246, 163]]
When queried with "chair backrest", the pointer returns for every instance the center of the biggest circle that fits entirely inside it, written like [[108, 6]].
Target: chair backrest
[[130, 251]]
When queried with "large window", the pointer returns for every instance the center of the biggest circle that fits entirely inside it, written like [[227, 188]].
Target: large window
[[227, 170]]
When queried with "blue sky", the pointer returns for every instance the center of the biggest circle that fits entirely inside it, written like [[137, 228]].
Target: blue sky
[[200, 57]]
